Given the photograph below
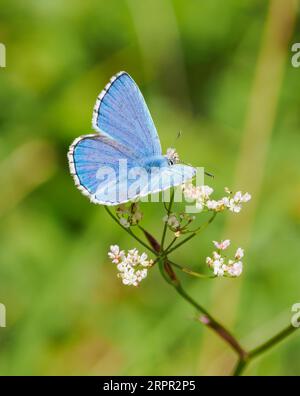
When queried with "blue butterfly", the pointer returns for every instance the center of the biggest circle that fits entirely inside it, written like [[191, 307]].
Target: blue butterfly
[[123, 161]]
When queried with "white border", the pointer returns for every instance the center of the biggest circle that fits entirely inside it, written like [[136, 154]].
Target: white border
[[100, 99]]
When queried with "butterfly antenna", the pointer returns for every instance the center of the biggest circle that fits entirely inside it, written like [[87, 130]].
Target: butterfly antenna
[[206, 173], [185, 163], [177, 137], [209, 174]]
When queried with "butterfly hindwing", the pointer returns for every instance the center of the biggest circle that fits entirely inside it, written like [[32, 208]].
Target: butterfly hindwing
[[90, 154]]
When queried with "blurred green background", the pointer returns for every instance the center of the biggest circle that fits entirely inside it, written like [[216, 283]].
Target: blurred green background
[[218, 71]]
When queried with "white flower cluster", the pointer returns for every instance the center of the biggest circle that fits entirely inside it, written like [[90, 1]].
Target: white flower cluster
[[132, 267], [201, 196], [223, 267], [129, 215]]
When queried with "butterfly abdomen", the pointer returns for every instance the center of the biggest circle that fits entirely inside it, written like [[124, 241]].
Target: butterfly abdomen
[[157, 161]]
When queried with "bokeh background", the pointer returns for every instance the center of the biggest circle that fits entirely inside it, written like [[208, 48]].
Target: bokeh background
[[219, 72]]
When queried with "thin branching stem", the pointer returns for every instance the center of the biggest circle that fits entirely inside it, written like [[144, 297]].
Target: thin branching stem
[[201, 228], [264, 347], [272, 341], [189, 271], [166, 223], [129, 231], [165, 267], [170, 245]]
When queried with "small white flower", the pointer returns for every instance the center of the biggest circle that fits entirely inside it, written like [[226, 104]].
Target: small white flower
[[197, 193], [217, 206], [172, 156], [222, 245], [115, 254], [235, 269], [233, 206], [224, 202], [122, 266], [218, 268], [172, 221], [238, 196], [239, 253], [124, 222], [199, 206], [205, 191], [209, 261], [216, 256], [144, 261], [212, 204], [246, 197]]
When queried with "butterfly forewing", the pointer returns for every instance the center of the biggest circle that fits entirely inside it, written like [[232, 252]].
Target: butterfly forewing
[[121, 113]]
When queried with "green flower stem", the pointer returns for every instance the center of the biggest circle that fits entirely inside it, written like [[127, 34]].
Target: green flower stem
[[206, 318], [166, 223], [272, 341], [254, 353], [165, 267], [190, 272], [240, 367], [201, 228], [171, 244]]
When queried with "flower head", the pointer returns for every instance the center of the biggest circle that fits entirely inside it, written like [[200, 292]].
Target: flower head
[[222, 245], [129, 215], [178, 222], [235, 269], [172, 221], [172, 156], [221, 266], [239, 253], [235, 203], [133, 267], [115, 254], [201, 195]]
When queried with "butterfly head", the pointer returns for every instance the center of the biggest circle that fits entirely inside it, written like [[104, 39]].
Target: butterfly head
[[172, 156]]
